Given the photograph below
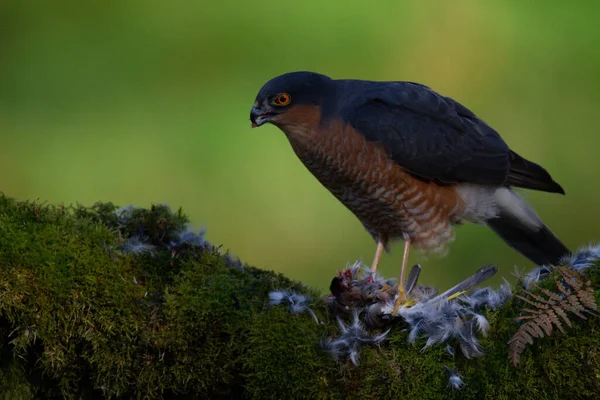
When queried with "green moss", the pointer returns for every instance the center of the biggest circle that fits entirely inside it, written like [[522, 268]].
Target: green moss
[[278, 354], [79, 317], [399, 371]]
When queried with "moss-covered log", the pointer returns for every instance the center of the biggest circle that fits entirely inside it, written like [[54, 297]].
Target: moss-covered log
[[99, 302]]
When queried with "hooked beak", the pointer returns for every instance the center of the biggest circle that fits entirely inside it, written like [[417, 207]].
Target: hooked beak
[[259, 117]]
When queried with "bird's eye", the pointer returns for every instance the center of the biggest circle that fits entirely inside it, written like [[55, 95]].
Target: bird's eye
[[282, 99]]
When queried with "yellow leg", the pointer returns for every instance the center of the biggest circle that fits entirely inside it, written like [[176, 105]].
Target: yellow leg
[[401, 299], [378, 253]]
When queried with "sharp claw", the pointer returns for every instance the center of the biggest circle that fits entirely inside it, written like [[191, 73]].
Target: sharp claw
[[400, 300]]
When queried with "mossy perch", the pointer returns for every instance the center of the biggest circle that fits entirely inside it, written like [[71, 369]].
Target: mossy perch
[[80, 317]]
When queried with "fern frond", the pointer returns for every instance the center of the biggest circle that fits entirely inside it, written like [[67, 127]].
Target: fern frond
[[541, 302], [553, 318], [574, 294], [583, 288], [563, 315], [575, 306], [539, 305], [517, 344], [570, 303]]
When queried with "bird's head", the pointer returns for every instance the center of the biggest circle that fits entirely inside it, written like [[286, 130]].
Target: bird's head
[[285, 92]]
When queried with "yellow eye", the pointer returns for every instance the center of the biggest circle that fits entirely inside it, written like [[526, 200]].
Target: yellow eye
[[282, 99]]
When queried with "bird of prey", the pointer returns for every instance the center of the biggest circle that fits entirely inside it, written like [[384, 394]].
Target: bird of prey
[[408, 162]]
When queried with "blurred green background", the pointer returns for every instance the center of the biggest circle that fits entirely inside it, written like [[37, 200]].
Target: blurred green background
[[148, 101]]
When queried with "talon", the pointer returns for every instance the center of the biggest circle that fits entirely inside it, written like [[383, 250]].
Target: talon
[[400, 300]]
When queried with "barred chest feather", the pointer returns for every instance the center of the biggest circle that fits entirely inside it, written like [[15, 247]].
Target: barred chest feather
[[382, 195]]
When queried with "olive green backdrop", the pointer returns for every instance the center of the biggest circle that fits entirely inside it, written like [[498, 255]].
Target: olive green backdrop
[[148, 101]]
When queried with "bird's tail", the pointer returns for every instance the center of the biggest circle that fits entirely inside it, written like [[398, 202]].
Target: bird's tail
[[522, 229]]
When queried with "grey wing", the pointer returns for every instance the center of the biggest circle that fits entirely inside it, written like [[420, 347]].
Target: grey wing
[[433, 137]]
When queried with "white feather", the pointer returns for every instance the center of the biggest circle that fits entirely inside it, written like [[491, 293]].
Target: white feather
[[483, 203]]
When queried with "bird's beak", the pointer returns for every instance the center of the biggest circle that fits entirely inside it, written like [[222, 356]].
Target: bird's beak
[[258, 117]]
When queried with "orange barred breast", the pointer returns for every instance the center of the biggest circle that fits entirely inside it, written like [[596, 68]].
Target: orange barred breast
[[387, 199]]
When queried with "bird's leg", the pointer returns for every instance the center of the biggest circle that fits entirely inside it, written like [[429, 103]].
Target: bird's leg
[[401, 299], [377, 257]]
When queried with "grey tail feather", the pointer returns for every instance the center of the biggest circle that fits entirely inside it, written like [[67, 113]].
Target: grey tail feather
[[529, 175], [539, 245]]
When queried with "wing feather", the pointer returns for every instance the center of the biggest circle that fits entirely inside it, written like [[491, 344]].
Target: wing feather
[[432, 136]]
